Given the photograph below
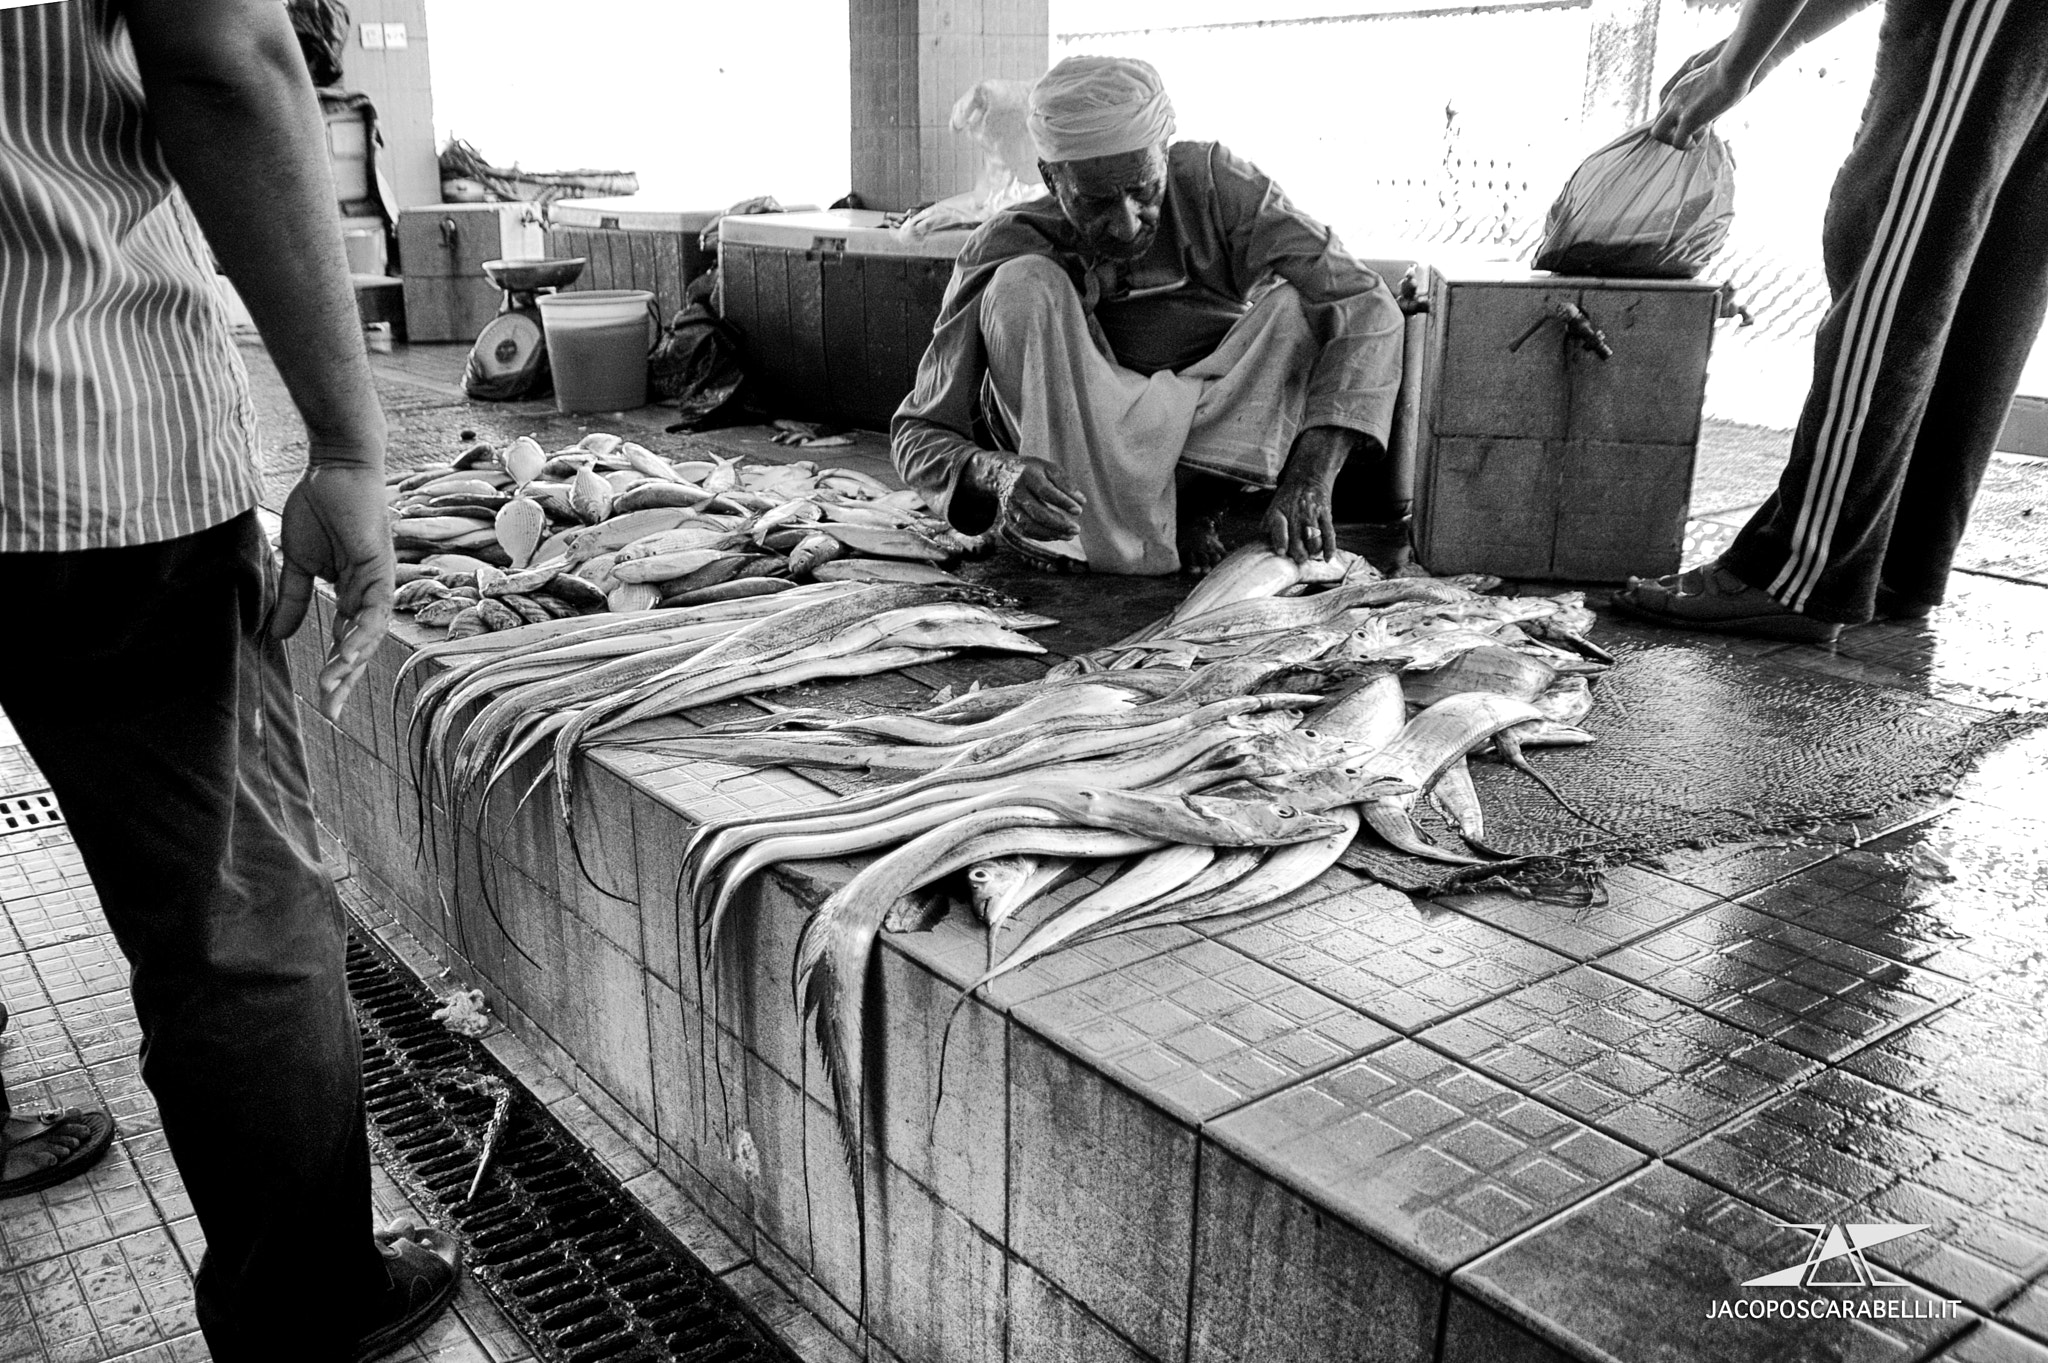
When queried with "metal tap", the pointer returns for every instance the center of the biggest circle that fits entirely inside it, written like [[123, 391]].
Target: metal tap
[[1578, 326]]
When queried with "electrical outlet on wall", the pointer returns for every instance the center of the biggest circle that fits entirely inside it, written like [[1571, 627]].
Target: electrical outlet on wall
[[373, 36], [394, 35]]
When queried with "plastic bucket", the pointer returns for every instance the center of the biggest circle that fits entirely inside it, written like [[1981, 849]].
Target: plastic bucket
[[598, 341]]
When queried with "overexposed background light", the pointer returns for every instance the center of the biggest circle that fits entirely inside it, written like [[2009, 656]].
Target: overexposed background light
[[707, 103], [1393, 128]]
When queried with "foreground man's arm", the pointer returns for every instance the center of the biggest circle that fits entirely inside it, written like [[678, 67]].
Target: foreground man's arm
[[1712, 82], [243, 134]]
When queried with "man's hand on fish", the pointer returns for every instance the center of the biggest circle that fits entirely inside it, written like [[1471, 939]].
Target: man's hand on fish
[[1028, 494], [1298, 521]]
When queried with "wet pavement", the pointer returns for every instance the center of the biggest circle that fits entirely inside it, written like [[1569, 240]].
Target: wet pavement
[[1526, 1131]]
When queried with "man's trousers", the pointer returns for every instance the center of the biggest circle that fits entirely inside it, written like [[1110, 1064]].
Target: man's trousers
[[1936, 246], [142, 684], [1116, 436]]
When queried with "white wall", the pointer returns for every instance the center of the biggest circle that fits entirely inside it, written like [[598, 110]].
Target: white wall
[[707, 103]]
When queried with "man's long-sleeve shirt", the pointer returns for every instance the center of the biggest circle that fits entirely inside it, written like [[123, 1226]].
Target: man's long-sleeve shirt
[[1223, 229]]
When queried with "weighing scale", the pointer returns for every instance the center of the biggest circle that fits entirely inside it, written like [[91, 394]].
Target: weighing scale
[[510, 358]]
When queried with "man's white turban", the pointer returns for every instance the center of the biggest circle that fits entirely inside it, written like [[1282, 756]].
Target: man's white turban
[[1098, 106]]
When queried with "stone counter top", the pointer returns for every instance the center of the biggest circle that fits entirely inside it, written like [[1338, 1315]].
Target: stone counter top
[[1350, 1125]]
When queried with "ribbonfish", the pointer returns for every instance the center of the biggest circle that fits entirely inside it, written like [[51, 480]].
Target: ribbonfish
[[836, 943], [1425, 747], [1277, 871], [1216, 821], [1231, 864], [1144, 879], [918, 811], [1095, 738], [1247, 573], [1363, 717], [1457, 800], [994, 884]]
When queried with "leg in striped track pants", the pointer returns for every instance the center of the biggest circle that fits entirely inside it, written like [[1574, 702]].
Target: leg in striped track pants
[[1936, 246]]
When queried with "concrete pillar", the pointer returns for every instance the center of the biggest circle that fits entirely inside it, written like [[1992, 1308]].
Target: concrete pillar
[[911, 60], [1621, 54]]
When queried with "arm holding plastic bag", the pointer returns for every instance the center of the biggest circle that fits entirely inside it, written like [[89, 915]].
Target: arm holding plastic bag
[[1713, 81]]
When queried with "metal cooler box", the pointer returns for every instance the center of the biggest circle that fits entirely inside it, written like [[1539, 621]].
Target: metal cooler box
[[832, 310], [632, 244], [441, 254], [1538, 458]]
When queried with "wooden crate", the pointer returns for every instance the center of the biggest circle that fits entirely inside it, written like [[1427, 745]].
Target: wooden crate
[[441, 254], [832, 311], [1545, 461], [632, 245]]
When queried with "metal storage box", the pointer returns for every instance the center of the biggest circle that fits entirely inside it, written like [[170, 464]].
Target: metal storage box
[[833, 311], [632, 245], [1538, 458], [441, 255]]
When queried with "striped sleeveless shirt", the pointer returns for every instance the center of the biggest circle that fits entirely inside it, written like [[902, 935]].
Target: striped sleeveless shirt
[[124, 409]]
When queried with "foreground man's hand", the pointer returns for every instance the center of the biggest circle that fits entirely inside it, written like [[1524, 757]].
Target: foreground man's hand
[[334, 528], [1695, 100], [1027, 493], [1298, 521]]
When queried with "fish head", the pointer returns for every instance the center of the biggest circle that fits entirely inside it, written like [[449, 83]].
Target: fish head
[[1272, 753], [1369, 640], [1345, 781], [1261, 822], [990, 882]]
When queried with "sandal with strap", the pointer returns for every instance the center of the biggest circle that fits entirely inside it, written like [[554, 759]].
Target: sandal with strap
[[1715, 601], [75, 1140]]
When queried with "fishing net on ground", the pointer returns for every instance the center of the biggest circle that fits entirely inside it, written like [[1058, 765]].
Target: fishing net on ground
[[1698, 748]]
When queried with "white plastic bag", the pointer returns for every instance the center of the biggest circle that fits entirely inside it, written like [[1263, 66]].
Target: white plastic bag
[[1640, 209], [994, 116]]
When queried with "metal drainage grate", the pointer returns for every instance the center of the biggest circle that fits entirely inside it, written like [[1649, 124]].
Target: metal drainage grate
[[20, 813], [580, 1267]]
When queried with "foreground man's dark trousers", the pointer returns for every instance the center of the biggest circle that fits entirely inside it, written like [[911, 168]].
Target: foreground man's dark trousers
[[142, 685], [1936, 247]]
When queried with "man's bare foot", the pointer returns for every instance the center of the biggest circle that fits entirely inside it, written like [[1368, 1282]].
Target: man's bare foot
[[1201, 543]]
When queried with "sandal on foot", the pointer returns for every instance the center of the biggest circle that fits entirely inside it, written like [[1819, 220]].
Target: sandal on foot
[[1713, 600], [74, 1139], [425, 1265]]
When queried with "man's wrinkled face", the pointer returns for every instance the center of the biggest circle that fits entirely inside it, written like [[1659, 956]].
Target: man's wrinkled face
[[1112, 201]]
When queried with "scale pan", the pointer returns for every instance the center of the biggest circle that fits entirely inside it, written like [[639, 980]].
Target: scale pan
[[533, 273]]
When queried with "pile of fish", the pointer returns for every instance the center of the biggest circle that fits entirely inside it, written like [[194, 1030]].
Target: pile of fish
[[511, 536], [569, 683], [1210, 763]]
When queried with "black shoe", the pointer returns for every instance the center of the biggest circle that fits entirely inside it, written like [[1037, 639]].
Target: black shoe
[[1898, 607], [425, 1266]]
